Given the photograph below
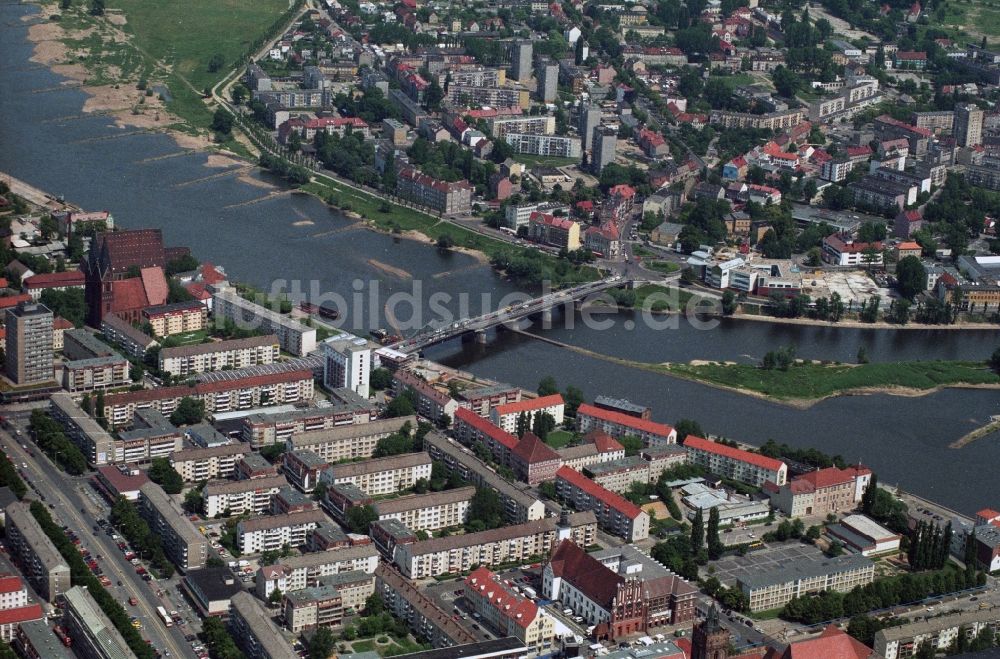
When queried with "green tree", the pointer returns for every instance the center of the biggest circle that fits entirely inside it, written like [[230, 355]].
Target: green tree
[[322, 644], [715, 546], [995, 360], [162, 473], [911, 277], [380, 379], [401, 405], [547, 386], [728, 303], [485, 509], [97, 7], [189, 411], [359, 518], [697, 532], [216, 62], [685, 427]]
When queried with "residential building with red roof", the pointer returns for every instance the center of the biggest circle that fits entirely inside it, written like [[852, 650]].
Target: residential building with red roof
[[505, 416], [652, 143], [821, 492], [559, 232], [35, 285], [620, 591], [176, 318], [308, 128], [737, 464], [431, 402], [603, 240], [11, 619], [987, 516], [907, 223], [506, 613], [470, 428], [764, 194], [618, 425], [442, 196], [615, 514], [13, 592], [910, 59], [221, 395], [534, 461], [842, 249]]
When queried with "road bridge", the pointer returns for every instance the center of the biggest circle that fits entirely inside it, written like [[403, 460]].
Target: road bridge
[[427, 337]]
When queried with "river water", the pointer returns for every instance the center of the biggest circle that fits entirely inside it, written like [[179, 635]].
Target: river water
[[144, 179]]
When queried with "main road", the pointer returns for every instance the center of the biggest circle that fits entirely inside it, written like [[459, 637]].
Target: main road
[[72, 508]]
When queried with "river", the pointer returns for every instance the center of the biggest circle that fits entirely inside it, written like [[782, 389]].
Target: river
[[233, 218]]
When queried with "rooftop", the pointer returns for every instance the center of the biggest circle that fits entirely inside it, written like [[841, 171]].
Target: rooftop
[[606, 496], [643, 425], [802, 568], [756, 459]]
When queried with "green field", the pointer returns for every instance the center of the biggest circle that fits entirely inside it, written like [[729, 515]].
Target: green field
[[559, 438], [812, 381], [661, 298], [972, 19], [666, 267], [545, 161], [171, 43]]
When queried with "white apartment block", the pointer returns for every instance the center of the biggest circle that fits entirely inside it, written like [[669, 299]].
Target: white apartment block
[[501, 126], [241, 497], [294, 337], [507, 544], [84, 375], [304, 571], [381, 475], [744, 466], [202, 464], [265, 429], [271, 533], [505, 416], [773, 588], [428, 512], [347, 362], [347, 442], [940, 632], [220, 355], [545, 145]]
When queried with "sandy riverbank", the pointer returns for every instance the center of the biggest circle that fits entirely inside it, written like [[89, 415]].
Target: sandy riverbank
[[124, 103], [856, 324]]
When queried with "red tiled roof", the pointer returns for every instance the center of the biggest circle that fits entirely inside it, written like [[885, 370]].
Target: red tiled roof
[[911, 55], [9, 301], [519, 609], [887, 119], [209, 275], [465, 415], [122, 482], [643, 425], [909, 246], [755, 459], [604, 442], [128, 295], [602, 494], [56, 279], [551, 220], [912, 215], [530, 404], [21, 614], [60, 323], [533, 450], [833, 642], [988, 513], [155, 284], [831, 476], [586, 573], [11, 584], [622, 190]]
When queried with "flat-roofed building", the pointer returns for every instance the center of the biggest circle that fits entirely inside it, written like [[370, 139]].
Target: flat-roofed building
[[202, 464], [221, 395], [255, 633], [34, 640], [864, 535], [265, 429], [212, 589], [939, 632], [381, 475], [483, 399], [96, 444], [312, 608], [744, 466], [83, 375], [772, 588], [181, 541], [220, 355], [520, 503], [615, 514], [131, 339], [296, 572], [431, 402], [251, 497], [293, 336], [455, 554], [348, 442], [425, 618], [253, 465], [40, 562], [93, 634], [273, 532], [303, 469]]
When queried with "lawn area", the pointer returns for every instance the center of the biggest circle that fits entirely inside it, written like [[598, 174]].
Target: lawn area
[[666, 267], [737, 80], [661, 298], [188, 338], [545, 161], [559, 438], [811, 380], [975, 18]]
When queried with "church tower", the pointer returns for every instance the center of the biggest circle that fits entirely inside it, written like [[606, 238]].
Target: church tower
[[710, 640]]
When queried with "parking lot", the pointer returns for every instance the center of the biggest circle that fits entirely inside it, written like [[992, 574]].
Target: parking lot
[[769, 558]]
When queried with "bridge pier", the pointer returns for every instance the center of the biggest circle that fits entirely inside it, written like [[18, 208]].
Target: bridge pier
[[480, 337], [547, 317]]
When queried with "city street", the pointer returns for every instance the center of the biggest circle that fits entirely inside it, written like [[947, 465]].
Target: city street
[[74, 504]]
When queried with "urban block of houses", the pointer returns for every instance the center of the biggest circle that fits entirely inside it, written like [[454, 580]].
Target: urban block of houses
[[745, 466]]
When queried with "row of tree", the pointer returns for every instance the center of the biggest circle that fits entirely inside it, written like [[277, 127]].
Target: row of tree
[[929, 546], [134, 528], [50, 438]]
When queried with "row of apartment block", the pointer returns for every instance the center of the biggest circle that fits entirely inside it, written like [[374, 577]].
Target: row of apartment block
[[220, 355]]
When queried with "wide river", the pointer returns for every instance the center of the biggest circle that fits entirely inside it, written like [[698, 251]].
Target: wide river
[[229, 216]]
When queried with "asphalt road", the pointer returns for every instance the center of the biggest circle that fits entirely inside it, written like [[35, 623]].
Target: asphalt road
[[67, 499]]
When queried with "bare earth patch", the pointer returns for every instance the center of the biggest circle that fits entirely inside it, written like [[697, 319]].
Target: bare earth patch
[[255, 182]]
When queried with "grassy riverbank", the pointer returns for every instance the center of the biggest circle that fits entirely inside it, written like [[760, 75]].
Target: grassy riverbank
[[528, 264], [807, 380]]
